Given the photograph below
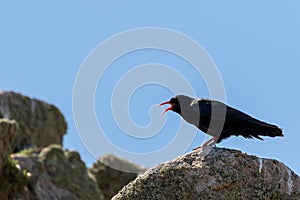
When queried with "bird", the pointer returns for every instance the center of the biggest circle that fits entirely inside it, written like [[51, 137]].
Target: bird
[[219, 120]]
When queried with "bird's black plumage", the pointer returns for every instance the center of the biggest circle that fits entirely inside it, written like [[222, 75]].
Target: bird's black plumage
[[229, 121]]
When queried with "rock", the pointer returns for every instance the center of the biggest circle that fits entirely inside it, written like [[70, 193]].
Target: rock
[[221, 174], [110, 180], [14, 183], [8, 129], [40, 124], [57, 174]]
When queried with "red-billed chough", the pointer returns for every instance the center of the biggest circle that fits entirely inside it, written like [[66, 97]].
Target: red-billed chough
[[227, 120]]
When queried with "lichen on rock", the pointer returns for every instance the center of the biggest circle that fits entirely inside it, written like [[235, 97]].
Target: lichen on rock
[[14, 182]]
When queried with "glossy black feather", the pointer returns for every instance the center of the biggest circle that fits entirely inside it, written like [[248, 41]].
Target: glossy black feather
[[199, 113]]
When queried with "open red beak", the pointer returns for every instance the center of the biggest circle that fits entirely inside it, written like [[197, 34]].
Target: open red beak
[[164, 103]]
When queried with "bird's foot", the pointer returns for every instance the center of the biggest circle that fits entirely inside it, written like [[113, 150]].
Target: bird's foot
[[197, 148], [210, 143]]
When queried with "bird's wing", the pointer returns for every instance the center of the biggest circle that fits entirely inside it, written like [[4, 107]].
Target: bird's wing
[[235, 121], [219, 109], [206, 106]]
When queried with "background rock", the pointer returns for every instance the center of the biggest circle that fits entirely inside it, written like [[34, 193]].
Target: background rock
[[14, 183], [8, 129], [221, 174], [110, 180], [40, 124], [39, 171], [56, 174]]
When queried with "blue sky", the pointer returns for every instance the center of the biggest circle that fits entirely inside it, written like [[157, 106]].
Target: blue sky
[[255, 46]]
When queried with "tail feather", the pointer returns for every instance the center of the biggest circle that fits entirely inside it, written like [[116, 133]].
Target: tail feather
[[264, 129], [250, 129]]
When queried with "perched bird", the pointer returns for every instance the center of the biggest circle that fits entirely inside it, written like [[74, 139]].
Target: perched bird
[[219, 120]]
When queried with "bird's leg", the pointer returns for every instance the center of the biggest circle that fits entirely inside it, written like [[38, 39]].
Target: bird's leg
[[210, 142]]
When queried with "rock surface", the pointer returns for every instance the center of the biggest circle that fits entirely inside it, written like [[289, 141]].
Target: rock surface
[[53, 173], [110, 180], [39, 123], [221, 174]]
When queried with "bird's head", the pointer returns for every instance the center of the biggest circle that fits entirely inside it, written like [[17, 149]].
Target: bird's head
[[175, 103]]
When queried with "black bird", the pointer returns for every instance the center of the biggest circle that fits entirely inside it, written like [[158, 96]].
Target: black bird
[[225, 120]]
